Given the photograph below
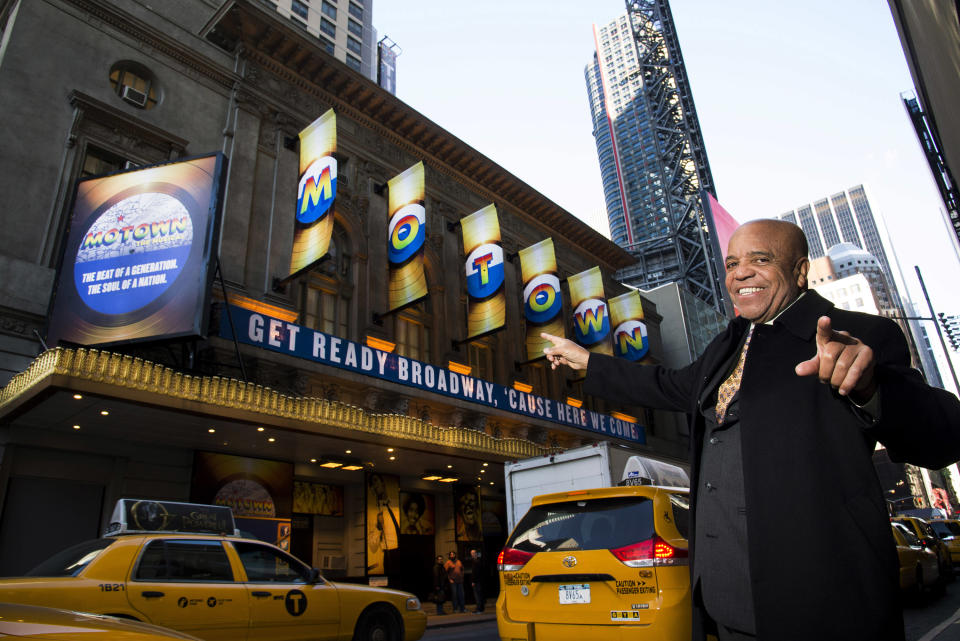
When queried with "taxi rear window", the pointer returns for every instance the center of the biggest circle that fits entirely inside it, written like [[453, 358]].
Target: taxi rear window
[[946, 528], [594, 524], [71, 561]]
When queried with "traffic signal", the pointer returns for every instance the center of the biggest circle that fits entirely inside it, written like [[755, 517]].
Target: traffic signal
[[951, 327]]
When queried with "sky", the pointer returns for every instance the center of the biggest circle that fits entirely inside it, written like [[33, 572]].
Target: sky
[[796, 101]]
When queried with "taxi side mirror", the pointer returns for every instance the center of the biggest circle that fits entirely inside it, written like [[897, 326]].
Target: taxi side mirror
[[314, 576]]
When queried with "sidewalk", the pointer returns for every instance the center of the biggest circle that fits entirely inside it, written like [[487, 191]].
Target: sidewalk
[[449, 619]]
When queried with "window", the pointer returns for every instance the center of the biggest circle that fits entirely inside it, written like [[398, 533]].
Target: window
[[412, 336], [596, 524], [353, 63], [356, 11], [181, 560], [323, 305], [328, 27], [134, 84], [354, 45], [480, 358], [299, 8], [97, 162], [538, 378], [267, 565], [328, 10], [355, 28], [326, 45], [72, 560]]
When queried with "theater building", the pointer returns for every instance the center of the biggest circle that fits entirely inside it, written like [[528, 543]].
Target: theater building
[[365, 435]]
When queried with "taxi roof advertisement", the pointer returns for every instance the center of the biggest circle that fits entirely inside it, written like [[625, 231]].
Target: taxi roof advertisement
[[136, 261]]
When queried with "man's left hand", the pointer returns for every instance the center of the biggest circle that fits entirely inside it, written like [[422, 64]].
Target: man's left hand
[[842, 361]]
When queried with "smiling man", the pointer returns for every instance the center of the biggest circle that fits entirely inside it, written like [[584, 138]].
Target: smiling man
[[789, 533]]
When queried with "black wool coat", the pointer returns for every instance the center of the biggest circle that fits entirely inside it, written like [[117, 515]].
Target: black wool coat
[[822, 558]]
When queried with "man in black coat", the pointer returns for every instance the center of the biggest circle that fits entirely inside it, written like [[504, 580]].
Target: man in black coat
[[790, 537]]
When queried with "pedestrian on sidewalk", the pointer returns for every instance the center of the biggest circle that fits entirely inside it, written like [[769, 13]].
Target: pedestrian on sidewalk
[[439, 584], [479, 569], [454, 568]]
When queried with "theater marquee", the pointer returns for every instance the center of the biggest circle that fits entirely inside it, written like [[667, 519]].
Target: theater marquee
[[303, 342]]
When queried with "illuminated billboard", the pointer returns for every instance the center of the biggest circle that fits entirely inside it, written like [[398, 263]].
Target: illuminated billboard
[[591, 318], [315, 193], [136, 261], [630, 339], [542, 300], [405, 238], [486, 302]]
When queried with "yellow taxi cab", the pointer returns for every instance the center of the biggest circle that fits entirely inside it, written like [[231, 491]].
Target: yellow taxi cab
[[919, 567], [601, 563], [181, 566], [35, 622], [928, 538], [949, 532]]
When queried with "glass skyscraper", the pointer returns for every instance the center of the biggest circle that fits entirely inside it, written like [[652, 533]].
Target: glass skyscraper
[[652, 161]]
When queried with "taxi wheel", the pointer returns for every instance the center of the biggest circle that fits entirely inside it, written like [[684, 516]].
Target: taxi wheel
[[377, 624]]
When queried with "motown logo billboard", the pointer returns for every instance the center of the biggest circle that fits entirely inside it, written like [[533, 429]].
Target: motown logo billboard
[[630, 332], [135, 262], [591, 317], [406, 234], [487, 302], [315, 192], [542, 301]]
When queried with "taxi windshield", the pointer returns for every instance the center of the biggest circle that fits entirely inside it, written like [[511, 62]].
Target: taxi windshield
[[594, 524], [71, 561]]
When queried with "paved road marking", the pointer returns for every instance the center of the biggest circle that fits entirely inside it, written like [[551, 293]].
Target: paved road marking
[[932, 634]]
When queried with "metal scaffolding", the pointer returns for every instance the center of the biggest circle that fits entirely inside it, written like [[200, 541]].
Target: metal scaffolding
[[686, 252]]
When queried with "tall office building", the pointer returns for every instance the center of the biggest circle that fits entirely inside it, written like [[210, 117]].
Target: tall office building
[[845, 217], [842, 230], [344, 29], [652, 159]]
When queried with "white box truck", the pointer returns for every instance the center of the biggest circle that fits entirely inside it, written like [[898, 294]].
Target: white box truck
[[601, 465]]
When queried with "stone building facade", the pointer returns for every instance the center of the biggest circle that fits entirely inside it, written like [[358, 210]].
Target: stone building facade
[[94, 87]]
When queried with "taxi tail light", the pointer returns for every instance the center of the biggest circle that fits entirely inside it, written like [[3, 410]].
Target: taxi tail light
[[654, 552], [512, 559]]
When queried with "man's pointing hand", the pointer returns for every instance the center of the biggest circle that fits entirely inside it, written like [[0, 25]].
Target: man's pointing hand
[[843, 361]]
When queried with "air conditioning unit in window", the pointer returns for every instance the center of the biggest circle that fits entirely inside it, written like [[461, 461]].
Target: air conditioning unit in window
[[134, 97], [329, 562]]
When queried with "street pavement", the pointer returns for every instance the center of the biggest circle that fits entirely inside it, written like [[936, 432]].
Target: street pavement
[[435, 620], [928, 618]]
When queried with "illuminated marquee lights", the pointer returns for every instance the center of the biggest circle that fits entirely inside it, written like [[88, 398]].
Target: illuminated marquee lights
[[317, 190], [541, 298], [407, 233], [630, 340], [591, 321]]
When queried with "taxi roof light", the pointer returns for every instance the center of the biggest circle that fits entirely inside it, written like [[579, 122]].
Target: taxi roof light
[[140, 515], [653, 552], [512, 559]]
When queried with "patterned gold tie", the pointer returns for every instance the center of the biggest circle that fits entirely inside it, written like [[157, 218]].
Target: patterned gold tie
[[730, 386]]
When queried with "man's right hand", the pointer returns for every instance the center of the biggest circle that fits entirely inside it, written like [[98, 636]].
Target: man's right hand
[[565, 352]]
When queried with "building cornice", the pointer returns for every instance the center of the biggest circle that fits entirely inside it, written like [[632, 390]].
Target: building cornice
[[292, 55]]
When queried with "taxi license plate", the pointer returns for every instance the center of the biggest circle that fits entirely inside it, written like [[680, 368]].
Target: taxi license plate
[[576, 593]]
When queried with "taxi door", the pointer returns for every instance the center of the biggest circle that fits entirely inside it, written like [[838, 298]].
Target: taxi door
[[284, 604], [188, 585]]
